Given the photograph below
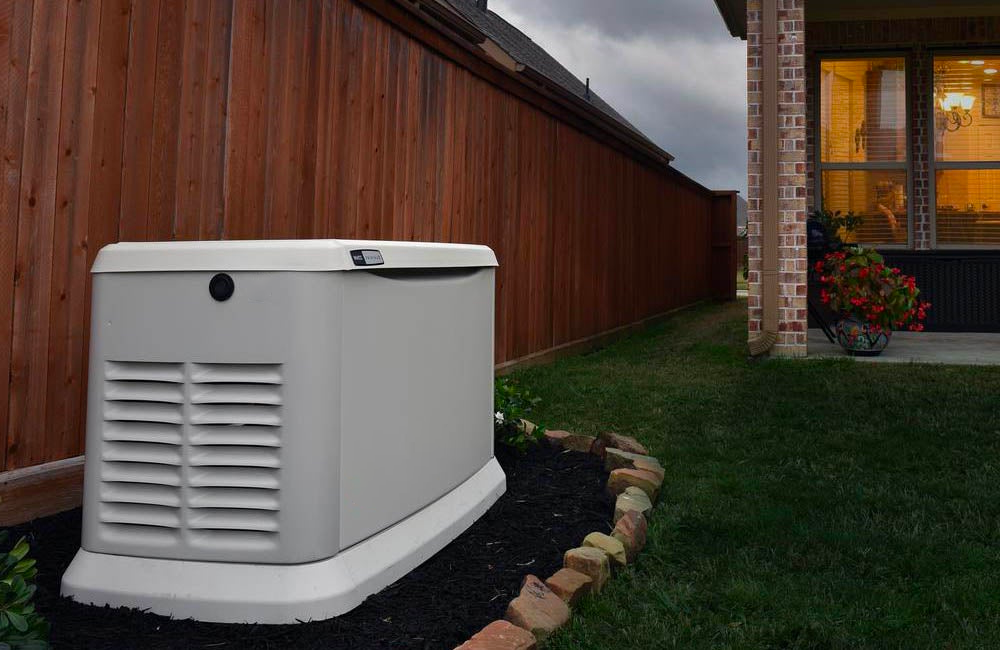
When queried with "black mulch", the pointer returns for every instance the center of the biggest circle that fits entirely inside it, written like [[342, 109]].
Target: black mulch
[[553, 500]]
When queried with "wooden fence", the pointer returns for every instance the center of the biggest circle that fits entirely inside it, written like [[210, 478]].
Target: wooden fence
[[160, 119]]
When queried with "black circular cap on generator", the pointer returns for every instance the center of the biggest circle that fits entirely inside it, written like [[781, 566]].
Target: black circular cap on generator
[[221, 286]]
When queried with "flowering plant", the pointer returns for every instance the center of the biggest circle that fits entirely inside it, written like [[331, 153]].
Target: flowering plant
[[857, 282]]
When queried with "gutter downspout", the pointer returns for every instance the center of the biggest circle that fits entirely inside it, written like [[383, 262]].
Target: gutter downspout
[[768, 335]]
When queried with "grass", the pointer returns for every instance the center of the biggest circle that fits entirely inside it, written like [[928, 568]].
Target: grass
[[807, 504]]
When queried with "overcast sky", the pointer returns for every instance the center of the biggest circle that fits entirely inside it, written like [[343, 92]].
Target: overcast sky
[[669, 66]]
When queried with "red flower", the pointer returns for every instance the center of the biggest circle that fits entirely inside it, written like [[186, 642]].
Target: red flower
[[856, 282]]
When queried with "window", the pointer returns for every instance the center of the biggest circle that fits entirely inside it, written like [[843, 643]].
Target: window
[[863, 161], [967, 150]]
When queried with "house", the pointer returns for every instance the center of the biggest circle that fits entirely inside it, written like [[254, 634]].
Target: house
[[889, 109], [428, 120]]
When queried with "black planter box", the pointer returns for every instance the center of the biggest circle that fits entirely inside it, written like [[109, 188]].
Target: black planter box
[[963, 287]]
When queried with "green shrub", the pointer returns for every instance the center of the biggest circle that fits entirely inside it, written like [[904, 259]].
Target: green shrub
[[20, 625], [512, 404], [839, 227]]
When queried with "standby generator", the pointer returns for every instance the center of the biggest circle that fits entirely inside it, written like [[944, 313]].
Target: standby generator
[[278, 429]]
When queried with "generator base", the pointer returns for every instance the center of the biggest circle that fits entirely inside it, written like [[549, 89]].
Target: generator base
[[273, 593]]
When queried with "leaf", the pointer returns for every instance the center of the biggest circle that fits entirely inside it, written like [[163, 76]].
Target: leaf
[[24, 597], [19, 622], [20, 550], [24, 565], [33, 644]]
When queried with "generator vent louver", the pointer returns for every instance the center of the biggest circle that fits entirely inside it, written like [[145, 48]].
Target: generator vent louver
[[192, 457]]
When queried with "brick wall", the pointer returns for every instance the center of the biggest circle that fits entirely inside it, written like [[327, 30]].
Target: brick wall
[[791, 174], [916, 39]]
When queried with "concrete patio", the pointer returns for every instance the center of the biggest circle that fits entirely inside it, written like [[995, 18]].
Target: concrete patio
[[973, 349]]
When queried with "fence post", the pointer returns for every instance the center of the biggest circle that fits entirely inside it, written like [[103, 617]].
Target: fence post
[[723, 259]]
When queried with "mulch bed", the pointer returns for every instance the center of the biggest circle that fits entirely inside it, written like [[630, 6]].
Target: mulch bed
[[553, 500]]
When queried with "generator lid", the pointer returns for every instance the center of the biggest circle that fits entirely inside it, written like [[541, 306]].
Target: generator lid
[[287, 255]]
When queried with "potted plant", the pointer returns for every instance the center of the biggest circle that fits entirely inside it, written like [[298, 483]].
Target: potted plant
[[838, 228], [870, 298]]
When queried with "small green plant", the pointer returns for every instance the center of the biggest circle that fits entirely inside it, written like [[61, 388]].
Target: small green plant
[[839, 227], [20, 625], [512, 403]]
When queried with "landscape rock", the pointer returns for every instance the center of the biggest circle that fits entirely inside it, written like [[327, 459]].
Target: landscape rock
[[614, 549], [591, 562], [501, 635], [651, 465], [537, 609], [625, 443], [598, 448], [570, 585], [632, 499], [630, 530], [621, 479], [526, 426], [555, 438], [618, 459], [571, 441]]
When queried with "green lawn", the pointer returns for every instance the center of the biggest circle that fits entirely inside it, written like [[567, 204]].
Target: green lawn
[[807, 504]]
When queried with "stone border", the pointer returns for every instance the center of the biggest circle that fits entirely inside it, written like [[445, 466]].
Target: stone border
[[542, 607]]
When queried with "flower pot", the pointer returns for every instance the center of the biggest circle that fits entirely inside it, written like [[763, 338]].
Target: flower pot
[[860, 339]]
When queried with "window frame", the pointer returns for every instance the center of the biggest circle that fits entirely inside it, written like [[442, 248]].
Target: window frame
[[933, 166], [907, 166]]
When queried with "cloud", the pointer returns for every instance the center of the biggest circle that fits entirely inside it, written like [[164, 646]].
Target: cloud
[[669, 66], [623, 18]]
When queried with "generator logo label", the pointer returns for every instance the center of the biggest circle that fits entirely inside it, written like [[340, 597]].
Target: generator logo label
[[367, 258]]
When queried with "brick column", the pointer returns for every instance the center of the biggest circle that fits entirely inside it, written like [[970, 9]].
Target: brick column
[[790, 143]]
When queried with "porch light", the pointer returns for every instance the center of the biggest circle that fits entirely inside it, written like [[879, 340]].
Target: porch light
[[978, 62], [990, 71]]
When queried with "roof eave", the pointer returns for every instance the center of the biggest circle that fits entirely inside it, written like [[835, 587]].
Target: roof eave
[[734, 12], [442, 15], [642, 143], [443, 12]]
